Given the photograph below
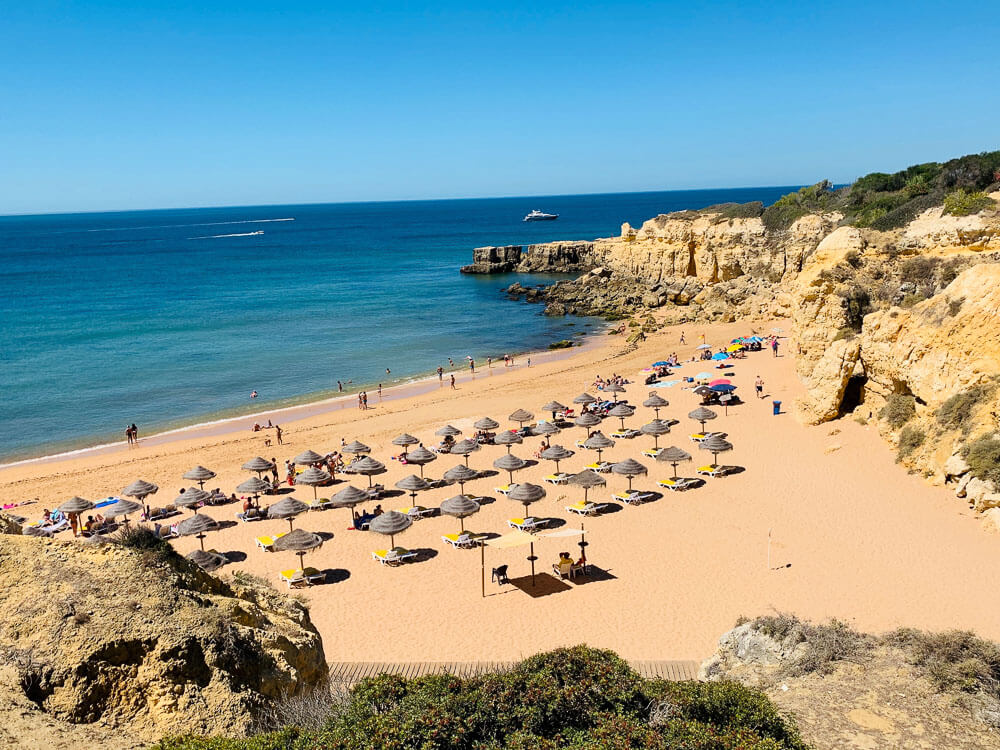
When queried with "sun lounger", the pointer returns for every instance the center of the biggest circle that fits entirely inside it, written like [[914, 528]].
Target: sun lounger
[[566, 569], [586, 509], [255, 517], [701, 436], [602, 467], [266, 543], [394, 556], [713, 471], [632, 498], [306, 577], [579, 443], [503, 490], [159, 514], [321, 504], [417, 512], [528, 524], [678, 485], [624, 434], [463, 541], [652, 452], [560, 478]]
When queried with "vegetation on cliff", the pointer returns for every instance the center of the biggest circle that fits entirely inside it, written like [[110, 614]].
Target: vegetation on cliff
[[889, 201], [568, 698]]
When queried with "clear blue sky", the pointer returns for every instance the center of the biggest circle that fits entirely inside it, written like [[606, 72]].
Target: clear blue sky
[[115, 105]]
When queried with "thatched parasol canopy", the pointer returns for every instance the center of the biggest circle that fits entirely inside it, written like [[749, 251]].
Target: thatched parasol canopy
[[510, 463], [199, 474], [673, 455], [75, 505], [521, 416], [486, 424], [461, 507], [207, 561], [628, 468], [258, 464], [508, 438], [448, 431], [121, 508], [308, 458], [390, 524], [253, 486], [584, 398]]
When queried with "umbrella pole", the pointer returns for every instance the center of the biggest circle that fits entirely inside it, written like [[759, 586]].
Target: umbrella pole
[[675, 471], [532, 558], [482, 565], [201, 538], [289, 525], [461, 522], [466, 460]]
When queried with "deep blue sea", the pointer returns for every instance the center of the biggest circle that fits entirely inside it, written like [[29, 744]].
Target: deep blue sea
[[172, 317]]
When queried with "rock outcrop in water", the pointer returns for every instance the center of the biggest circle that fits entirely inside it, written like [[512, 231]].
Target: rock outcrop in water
[[909, 312], [142, 641]]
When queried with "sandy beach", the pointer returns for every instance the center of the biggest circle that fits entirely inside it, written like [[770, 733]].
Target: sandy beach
[[852, 535]]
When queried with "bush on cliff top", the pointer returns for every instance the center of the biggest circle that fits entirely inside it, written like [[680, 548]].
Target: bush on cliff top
[[910, 439], [954, 660], [568, 698], [965, 202], [983, 457], [789, 208], [956, 412], [898, 410]]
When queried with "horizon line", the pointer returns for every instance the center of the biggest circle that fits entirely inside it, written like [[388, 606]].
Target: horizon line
[[394, 200]]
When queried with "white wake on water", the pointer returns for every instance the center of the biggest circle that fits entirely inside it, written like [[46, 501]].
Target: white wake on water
[[200, 224], [217, 236]]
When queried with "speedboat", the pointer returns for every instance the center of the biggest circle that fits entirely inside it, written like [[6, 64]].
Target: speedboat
[[537, 215]]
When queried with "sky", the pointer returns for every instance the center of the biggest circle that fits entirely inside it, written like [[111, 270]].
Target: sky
[[129, 105]]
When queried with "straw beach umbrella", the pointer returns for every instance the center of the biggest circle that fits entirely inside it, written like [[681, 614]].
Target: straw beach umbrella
[[526, 494], [701, 414], [655, 428], [587, 420], [75, 506], [584, 398], [715, 445], [448, 431], [123, 508], [556, 453], [614, 389], [464, 448], [357, 448], [200, 475], [621, 411], [673, 455], [510, 463], [369, 467], [140, 489], [298, 541], [656, 402], [554, 407], [521, 416], [197, 525], [486, 424], [508, 438], [313, 477], [258, 465], [421, 456], [413, 484], [588, 479], [207, 561], [461, 507], [628, 468], [390, 523], [349, 497], [191, 498], [544, 429], [287, 508], [405, 441], [253, 486], [598, 442], [461, 474], [307, 458]]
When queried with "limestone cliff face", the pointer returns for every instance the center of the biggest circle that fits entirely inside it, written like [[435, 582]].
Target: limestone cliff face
[[102, 634]]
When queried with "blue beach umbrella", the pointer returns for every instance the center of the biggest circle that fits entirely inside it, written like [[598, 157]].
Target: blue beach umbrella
[[720, 355], [723, 388], [661, 363]]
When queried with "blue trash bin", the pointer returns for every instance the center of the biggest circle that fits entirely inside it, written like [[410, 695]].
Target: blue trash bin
[[777, 407]]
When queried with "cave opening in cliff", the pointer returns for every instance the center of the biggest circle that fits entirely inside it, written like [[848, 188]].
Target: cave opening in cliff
[[854, 394]]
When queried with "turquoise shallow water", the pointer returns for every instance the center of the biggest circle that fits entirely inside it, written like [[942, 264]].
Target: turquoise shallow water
[[172, 317]]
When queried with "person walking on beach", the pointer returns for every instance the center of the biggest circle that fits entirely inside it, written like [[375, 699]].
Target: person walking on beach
[[489, 363], [529, 361], [360, 403], [682, 337], [277, 434], [453, 381], [440, 373], [340, 387], [472, 365], [379, 391], [135, 434], [364, 399], [506, 361], [274, 469], [759, 385], [128, 433], [774, 346]]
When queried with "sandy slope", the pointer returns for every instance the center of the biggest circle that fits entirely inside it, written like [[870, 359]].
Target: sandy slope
[[863, 541]]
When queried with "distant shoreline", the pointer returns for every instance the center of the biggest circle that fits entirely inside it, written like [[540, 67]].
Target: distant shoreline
[[279, 414]]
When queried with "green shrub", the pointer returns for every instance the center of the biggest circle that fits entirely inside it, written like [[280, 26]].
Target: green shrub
[[821, 645], [956, 412], [918, 269], [725, 211], [965, 202], [856, 303], [898, 410], [953, 660], [983, 457], [564, 344], [911, 299], [789, 208], [910, 439]]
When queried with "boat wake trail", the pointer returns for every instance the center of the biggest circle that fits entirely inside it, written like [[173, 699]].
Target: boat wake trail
[[200, 224], [217, 236]]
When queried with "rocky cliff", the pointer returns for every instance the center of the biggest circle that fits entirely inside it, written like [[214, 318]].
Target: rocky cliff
[[907, 312], [143, 642]]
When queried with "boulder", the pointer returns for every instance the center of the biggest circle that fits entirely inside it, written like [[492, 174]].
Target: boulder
[[955, 466]]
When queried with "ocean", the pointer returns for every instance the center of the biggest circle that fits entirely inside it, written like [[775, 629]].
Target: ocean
[[168, 318]]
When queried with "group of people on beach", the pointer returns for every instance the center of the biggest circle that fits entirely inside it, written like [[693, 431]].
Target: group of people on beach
[[132, 434]]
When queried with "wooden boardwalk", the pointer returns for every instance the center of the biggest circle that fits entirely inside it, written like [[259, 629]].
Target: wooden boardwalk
[[350, 672]]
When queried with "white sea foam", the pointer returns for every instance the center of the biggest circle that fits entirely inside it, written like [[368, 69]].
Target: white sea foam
[[217, 236], [200, 224]]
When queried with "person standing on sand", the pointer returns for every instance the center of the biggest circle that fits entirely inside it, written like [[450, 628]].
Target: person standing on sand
[[340, 387], [440, 373], [489, 363], [682, 337], [364, 399], [453, 381], [135, 434], [759, 385], [472, 365], [274, 469], [379, 391], [529, 361], [277, 433], [128, 434], [360, 406], [774, 346]]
